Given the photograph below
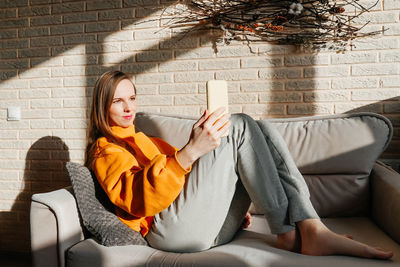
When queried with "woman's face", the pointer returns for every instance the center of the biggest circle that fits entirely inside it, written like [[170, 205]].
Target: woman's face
[[123, 108]]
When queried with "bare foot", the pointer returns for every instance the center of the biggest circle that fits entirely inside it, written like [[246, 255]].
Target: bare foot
[[289, 241], [318, 240]]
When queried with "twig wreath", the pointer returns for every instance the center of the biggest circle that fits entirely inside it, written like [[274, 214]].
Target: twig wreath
[[283, 22]]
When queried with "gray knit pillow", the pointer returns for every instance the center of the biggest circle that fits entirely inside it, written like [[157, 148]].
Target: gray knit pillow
[[96, 210]]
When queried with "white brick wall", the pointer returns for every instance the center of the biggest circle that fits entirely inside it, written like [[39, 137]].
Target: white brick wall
[[52, 54]]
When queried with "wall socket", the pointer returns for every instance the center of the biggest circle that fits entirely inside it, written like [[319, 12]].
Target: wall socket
[[13, 113]]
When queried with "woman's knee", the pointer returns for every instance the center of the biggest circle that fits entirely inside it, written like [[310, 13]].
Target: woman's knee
[[243, 123], [241, 118]]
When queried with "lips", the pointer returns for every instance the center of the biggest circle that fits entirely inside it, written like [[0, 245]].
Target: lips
[[127, 117]]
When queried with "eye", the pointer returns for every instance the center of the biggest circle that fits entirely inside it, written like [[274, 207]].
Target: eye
[[116, 100], [133, 98]]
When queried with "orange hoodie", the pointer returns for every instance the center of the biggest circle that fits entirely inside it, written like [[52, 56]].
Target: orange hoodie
[[142, 183]]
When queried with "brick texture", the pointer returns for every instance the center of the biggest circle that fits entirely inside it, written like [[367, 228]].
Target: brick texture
[[52, 52]]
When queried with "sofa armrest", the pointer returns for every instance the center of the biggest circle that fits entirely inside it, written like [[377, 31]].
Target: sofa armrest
[[55, 227], [385, 188]]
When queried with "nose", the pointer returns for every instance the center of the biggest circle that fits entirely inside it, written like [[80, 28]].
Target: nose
[[127, 107]]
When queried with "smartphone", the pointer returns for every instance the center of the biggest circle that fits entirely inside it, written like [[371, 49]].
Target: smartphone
[[217, 96]]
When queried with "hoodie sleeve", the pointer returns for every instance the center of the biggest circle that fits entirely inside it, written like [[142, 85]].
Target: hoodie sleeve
[[139, 190]]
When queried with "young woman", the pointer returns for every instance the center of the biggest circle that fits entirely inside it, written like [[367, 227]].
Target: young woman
[[195, 198]]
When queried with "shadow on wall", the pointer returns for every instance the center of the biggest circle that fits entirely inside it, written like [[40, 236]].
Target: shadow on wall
[[44, 171], [143, 62]]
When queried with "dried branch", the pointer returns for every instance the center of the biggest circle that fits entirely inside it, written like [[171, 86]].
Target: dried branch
[[283, 22]]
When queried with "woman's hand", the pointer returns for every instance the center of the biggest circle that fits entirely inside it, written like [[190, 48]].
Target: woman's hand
[[205, 137]]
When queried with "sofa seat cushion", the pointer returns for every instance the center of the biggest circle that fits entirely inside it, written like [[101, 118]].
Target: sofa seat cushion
[[253, 247]]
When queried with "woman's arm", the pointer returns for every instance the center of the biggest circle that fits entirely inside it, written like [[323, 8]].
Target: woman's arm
[[140, 191]]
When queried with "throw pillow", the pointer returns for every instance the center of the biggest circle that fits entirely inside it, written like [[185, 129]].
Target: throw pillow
[[96, 209]]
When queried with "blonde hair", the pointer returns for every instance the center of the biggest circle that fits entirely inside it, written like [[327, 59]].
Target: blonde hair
[[99, 126]]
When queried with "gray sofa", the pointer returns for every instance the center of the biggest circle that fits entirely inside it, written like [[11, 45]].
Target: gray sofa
[[350, 189]]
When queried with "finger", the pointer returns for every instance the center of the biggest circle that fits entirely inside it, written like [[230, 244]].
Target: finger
[[219, 111], [223, 129], [202, 119], [248, 216], [245, 225], [221, 121], [213, 117], [246, 222], [202, 110]]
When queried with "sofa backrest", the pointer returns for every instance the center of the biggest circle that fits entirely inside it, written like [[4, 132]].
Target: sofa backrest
[[334, 153], [346, 143]]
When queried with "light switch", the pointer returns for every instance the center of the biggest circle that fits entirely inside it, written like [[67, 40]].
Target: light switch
[[13, 113]]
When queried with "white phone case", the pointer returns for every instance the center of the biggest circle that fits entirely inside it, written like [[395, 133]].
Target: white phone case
[[217, 96]]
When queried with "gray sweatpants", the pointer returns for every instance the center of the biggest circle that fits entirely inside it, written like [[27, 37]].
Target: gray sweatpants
[[253, 162]]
